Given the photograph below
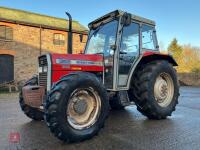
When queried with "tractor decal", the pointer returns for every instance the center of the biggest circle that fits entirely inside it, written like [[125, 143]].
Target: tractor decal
[[79, 62]]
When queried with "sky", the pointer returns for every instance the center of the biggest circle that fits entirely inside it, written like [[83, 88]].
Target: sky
[[174, 18]]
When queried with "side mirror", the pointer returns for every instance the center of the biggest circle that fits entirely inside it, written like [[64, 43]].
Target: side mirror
[[126, 19]]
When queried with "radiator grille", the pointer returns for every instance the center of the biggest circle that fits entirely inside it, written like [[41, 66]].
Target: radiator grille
[[43, 75], [43, 79]]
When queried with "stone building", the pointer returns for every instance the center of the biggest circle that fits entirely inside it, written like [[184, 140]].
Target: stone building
[[26, 35]]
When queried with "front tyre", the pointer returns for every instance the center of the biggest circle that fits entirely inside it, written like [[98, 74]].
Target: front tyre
[[77, 107], [156, 89]]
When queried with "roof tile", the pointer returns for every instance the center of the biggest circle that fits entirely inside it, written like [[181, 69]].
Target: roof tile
[[39, 19]]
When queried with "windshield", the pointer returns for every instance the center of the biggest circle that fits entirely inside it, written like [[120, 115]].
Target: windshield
[[102, 38]]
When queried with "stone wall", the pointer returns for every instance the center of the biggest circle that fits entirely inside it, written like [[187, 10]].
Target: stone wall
[[189, 79], [26, 45]]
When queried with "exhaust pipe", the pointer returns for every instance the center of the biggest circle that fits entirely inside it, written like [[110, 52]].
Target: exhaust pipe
[[70, 35]]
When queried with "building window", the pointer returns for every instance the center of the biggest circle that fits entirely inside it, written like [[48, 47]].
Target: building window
[[6, 33], [83, 38], [58, 39]]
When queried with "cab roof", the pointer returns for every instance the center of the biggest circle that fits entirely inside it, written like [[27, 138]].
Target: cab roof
[[118, 13]]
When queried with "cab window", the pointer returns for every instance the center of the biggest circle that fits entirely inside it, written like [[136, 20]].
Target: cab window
[[101, 39], [148, 37]]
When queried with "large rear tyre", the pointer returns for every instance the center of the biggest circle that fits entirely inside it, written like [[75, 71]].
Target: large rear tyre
[[155, 89], [29, 111], [77, 107]]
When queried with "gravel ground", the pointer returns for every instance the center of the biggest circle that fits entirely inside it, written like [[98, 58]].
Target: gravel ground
[[126, 129]]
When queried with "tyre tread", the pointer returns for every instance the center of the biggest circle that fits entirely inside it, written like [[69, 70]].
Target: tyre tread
[[50, 111], [140, 90]]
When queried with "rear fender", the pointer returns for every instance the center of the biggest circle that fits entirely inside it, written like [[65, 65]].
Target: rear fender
[[152, 56], [147, 57]]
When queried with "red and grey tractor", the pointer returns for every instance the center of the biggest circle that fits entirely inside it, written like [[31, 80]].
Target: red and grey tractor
[[121, 65]]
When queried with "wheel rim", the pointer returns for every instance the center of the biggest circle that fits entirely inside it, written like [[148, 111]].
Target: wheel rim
[[83, 108], [164, 89]]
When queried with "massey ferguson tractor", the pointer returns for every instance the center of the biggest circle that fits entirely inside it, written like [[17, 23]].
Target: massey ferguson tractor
[[120, 65]]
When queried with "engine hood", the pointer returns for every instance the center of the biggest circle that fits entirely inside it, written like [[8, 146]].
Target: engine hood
[[77, 62]]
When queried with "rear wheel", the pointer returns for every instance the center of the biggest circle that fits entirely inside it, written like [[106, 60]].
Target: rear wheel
[[155, 89], [29, 111], [77, 107]]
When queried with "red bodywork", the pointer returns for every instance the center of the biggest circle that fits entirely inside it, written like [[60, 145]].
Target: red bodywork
[[63, 64], [151, 56], [76, 62], [148, 53]]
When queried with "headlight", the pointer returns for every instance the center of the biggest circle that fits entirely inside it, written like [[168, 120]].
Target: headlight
[[45, 69], [40, 69]]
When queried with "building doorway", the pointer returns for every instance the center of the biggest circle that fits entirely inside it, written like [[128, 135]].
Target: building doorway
[[6, 68]]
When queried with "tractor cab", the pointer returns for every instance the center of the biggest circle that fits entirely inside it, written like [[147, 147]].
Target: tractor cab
[[121, 38]]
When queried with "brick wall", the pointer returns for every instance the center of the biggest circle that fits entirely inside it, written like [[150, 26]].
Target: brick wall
[[26, 45]]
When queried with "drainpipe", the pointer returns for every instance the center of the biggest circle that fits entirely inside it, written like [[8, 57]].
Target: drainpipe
[[40, 39], [70, 35]]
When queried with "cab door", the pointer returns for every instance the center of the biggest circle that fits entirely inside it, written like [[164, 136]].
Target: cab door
[[128, 52]]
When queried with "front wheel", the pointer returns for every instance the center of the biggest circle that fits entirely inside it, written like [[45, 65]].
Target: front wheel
[[77, 107], [156, 89]]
